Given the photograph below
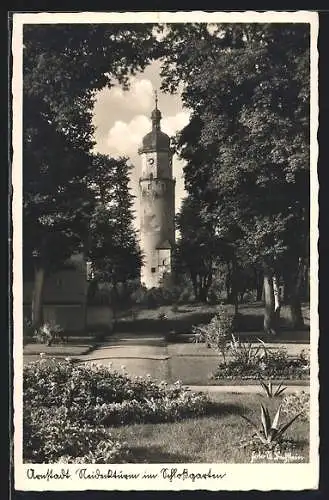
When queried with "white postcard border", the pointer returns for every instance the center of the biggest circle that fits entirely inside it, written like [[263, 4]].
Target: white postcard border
[[239, 477]]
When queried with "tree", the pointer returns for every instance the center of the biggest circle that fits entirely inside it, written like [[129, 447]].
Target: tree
[[199, 248], [63, 67], [55, 204], [113, 248], [247, 144]]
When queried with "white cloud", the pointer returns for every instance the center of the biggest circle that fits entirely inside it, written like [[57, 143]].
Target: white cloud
[[138, 98], [173, 124], [124, 138]]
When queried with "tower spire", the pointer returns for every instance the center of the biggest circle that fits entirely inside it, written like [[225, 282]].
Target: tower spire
[[156, 115]]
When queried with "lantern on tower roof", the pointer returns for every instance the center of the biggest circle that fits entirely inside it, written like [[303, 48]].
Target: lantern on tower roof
[[156, 140]]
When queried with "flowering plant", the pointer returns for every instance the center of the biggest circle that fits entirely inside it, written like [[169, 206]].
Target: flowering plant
[[48, 332], [50, 435], [298, 402], [68, 407], [93, 392]]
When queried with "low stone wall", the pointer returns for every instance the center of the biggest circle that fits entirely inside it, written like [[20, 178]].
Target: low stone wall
[[75, 318], [70, 317], [99, 317]]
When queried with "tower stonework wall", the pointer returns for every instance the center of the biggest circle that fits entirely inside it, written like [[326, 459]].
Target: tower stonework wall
[[157, 205], [157, 213]]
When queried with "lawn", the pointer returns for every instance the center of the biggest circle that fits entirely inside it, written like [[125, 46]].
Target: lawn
[[70, 348], [182, 318], [215, 438]]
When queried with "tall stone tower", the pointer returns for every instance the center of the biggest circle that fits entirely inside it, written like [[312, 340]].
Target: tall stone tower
[[157, 203]]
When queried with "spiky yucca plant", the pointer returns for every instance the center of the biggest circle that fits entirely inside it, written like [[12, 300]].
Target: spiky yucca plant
[[270, 391], [246, 353], [270, 432]]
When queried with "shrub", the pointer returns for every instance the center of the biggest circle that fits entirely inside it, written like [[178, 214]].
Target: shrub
[[165, 409], [49, 435], [138, 296], [167, 296], [217, 333], [153, 298], [217, 286], [298, 402], [178, 290], [185, 291], [68, 406], [186, 296], [89, 391], [278, 364]]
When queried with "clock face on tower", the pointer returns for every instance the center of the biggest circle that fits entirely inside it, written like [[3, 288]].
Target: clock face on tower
[[150, 161]]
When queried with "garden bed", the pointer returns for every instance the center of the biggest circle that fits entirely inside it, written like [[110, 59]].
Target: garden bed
[[81, 402], [80, 414], [276, 365], [253, 359]]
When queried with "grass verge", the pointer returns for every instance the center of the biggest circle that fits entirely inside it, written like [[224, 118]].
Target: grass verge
[[216, 438]]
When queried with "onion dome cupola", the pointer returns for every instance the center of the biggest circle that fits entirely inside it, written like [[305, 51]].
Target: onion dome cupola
[[156, 140]]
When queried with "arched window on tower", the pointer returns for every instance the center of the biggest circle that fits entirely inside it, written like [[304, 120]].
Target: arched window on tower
[[151, 176]]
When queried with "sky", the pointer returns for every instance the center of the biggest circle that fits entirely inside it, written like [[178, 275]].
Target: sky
[[122, 118]]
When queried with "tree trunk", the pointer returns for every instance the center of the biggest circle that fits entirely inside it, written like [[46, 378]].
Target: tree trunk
[[305, 283], [235, 298], [207, 281], [228, 283], [203, 294], [296, 316], [285, 298], [39, 278], [294, 285], [259, 286], [195, 285], [277, 299], [114, 301], [269, 313], [201, 285]]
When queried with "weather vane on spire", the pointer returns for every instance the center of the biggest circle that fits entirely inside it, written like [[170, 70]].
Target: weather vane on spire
[[156, 99]]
